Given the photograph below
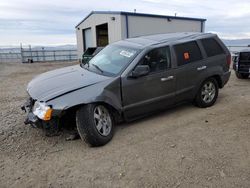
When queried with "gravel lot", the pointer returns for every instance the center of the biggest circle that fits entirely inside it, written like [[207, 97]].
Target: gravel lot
[[182, 147]]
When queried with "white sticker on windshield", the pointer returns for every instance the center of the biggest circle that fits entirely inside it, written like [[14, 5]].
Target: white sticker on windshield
[[126, 53]]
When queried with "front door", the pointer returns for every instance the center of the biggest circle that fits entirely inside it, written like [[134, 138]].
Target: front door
[[153, 91]]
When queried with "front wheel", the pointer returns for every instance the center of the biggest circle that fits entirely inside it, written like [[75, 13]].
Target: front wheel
[[207, 94], [95, 124]]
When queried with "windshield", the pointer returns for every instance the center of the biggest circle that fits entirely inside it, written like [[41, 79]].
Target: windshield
[[111, 60]]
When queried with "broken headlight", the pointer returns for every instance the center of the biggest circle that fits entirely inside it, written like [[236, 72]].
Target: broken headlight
[[42, 111]]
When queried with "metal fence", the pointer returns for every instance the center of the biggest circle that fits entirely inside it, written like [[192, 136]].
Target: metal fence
[[10, 57], [45, 55], [37, 55]]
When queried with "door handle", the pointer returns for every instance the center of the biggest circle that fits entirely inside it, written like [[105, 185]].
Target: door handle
[[168, 78], [201, 68]]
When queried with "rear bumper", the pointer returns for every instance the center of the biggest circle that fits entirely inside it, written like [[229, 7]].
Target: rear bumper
[[225, 77]]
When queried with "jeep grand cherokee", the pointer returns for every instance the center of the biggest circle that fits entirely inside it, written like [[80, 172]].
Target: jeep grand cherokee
[[130, 79]]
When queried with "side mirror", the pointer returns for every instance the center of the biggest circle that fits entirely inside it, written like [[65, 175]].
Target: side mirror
[[140, 70]]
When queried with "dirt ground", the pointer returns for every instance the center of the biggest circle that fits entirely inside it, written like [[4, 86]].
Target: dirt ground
[[182, 147]]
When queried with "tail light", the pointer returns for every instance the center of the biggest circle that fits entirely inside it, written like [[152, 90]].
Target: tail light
[[229, 59]]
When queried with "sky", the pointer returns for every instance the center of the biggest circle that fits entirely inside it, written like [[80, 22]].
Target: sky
[[52, 22]]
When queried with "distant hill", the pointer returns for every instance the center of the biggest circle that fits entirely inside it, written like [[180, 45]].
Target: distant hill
[[62, 47], [16, 49], [237, 42]]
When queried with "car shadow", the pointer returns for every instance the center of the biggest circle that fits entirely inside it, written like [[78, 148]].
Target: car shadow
[[120, 127]]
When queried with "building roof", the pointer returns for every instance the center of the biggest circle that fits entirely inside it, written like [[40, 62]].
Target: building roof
[[140, 14], [149, 40]]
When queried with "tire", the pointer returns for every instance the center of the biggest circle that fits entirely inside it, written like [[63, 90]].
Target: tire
[[207, 96], [242, 75], [94, 131]]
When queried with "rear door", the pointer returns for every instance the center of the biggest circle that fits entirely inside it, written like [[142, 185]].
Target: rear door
[[189, 71], [153, 91]]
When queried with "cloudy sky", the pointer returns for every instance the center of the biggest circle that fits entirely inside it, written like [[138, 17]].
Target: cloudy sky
[[52, 22]]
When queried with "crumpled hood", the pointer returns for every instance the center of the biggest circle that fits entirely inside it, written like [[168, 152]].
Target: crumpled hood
[[60, 81]]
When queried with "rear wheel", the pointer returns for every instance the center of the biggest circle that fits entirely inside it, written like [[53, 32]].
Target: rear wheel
[[242, 75], [95, 124], [207, 94]]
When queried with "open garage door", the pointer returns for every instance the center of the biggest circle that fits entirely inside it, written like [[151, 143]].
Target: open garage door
[[102, 38], [87, 40]]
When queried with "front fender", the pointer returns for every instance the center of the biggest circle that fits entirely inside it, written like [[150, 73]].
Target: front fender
[[106, 92]]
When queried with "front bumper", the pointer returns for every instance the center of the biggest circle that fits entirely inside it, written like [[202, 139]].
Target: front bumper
[[51, 126], [31, 118]]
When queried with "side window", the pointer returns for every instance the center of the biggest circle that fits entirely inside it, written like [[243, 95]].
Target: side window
[[211, 47], [158, 59], [187, 53]]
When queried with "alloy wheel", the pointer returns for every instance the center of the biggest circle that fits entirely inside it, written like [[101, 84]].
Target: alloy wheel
[[208, 92], [102, 120]]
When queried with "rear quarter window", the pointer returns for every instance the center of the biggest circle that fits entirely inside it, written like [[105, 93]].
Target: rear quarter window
[[212, 47], [187, 53]]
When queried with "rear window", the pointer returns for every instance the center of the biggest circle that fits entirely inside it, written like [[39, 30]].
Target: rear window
[[187, 53], [212, 47]]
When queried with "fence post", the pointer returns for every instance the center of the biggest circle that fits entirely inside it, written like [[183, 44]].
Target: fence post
[[30, 52], [43, 54], [21, 50], [54, 55]]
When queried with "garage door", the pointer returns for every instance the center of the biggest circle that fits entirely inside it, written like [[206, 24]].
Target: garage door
[[87, 38]]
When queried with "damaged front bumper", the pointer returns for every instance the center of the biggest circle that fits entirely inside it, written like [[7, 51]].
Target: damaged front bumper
[[51, 126], [27, 108]]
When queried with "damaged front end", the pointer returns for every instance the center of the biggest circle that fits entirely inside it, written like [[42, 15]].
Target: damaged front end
[[39, 115], [28, 109]]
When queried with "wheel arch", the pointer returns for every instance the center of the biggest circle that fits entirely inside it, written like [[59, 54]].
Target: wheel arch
[[117, 115], [218, 79]]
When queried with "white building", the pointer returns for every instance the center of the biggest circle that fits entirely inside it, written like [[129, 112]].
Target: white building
[[100, 28]]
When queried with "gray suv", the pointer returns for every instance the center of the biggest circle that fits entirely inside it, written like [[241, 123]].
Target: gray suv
[[127, 80]]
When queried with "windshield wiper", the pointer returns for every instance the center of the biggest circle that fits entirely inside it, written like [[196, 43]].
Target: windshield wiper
[[97, 67]]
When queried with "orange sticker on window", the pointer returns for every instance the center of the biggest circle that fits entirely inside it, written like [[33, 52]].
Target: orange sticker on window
[[186, 56]]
